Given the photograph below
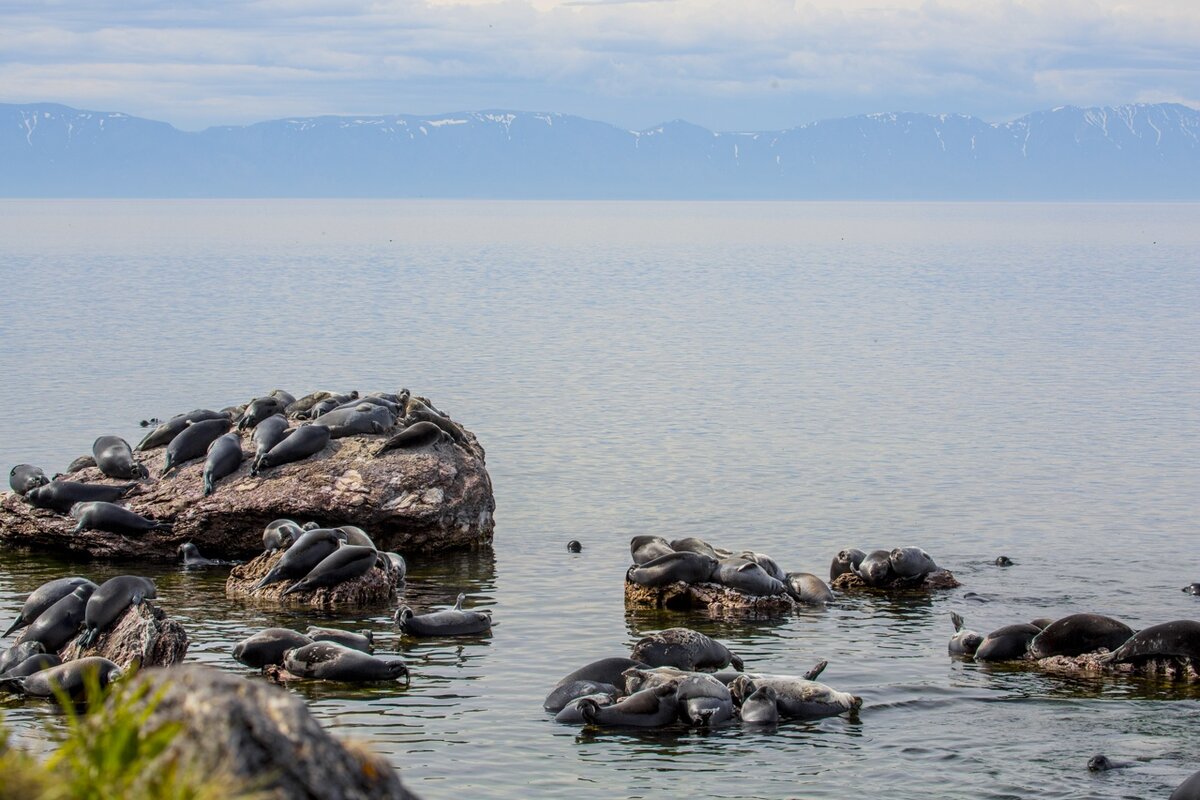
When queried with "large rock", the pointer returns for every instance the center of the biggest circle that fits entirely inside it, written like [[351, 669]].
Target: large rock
[[717, 600], [261, 737], [142, 635], [435, 498], [377, 587]]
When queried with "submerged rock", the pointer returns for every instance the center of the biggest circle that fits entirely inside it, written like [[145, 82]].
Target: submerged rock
[[376, 587], [261, 737], [142, 635], [437, 497]]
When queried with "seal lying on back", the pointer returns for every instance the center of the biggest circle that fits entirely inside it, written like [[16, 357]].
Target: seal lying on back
[[61, 496], [164, 433], [761, 707], [331, 662], [193, 441], [1077, 634], [649, 708], [683, 648], [1009, 643], [964, 642], [450, 622], [807, 588], [846, 561], [109, 602], [1178, 639], [24, 477], [344, 564], [268, 646], [98, 516], [114, 457], [69, 678], [647, 548], [308, 551], [304, 441], [224, 457], [43, 597], [664, 570], [704, 701]]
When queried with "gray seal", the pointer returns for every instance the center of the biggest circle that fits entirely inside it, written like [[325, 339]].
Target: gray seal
[[574, 546], [645, 549], [189, 554], [414, 437], [363, 642], [43, 597], [876, 568], [683, 648], [61, 496], [607, 671], [19, 652], [797, 697], [911, 563], [70, 678], [355, 535], [704, 701], [268, 433], [58, 624], [344, 564], [1009, 643], [761, 707], [449, 622], [664, 570], [193, 441], [267, 647], [112, 518], [307, 551], [649, 708], [563, 696], [164, 433], [964, 642], [416, 411], [1077, 634], [108, 603], [1003, 561], [115, 459], [224, 457], [305, 441], [261, 408], [846, 561], [280, 534], [35, 663], [746, 576], [24, 477], [807, 588], [1177, 639], [637, 678], [332, 662]]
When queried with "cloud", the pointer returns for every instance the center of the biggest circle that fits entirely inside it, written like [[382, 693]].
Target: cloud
[[721, 63]]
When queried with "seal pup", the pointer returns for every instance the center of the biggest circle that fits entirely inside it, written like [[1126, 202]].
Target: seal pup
[[343, 564], [164, 433], [189, 554], [24, 477], [807, 588], [846, 561], [683, 648], [43, 597], [309, 550], [114, 457], [964, 642], [911, 563], [761, 707], [61, 496], [111, 518], [704, 701], [19, 652], [672, 567], [449, 622], [267, 647], [58, 624], [746, 576], [279, 534], [1009, 643], [796, 697], [305, 441], [414, 437], [1077, 634], [649, 708], [109, 602], [1177, 639], [69, 678], [876, 569], [35, 663], [363, 642], [193, 442], [645, 549], [330, 661], [224, 457], [268, 433]]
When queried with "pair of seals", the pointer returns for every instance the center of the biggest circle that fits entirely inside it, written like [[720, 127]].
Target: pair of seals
[[61, 496], [303, 442], [58, 624], [193, 441], [343, 564], [43, 597], [308, 551], [167, 431]]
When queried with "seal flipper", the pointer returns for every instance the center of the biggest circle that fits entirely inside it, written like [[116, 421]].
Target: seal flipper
[[736, 662], [957, 620], [812, 674]]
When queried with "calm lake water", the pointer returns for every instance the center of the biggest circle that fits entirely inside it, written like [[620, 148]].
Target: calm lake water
[[797, 378]]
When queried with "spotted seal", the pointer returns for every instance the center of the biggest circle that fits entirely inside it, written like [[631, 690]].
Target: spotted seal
[[1177, 639], [683, 648], [797, 697]]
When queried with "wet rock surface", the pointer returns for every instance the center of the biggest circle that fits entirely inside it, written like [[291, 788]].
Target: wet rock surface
[[376, 587], [714, 598], [262, 737], [934, 581], [434, 498]]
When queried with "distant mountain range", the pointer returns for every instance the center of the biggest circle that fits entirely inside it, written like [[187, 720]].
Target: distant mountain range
[[1131, 152]]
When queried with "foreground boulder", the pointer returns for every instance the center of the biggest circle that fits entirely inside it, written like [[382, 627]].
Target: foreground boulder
[[377, 587], [261, 737], [437, 497], [143, 635]]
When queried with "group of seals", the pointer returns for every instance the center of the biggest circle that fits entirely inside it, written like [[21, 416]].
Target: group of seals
[[316, 557], [320, 654], [901, 566], [658, 562]]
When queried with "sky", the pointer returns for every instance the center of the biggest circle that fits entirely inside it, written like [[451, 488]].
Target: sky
[[723, 64]]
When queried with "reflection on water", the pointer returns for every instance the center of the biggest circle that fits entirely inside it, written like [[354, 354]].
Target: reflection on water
[[795, 378]]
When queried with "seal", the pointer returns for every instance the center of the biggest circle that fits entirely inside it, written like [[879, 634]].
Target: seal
[[563, 696], [574, 546], [1009, 643], [260, 408], [672, 567], [649, 708], [307, 551], [807, 588], [24, 477], [692, 544], [797, 697], [746, 576], [704, 701], [224, 457], [414, 437], [1192, 588], [83, 462], [637, 678], [607, 671], [304, 441], [761, 707], [61, 496], [570, 713], [268, 433], [330, 661], [876, 568], [58, 624], [189, 554], [647, 548], [164, 433], [355, 535], [267, 647], [911, 563], [43, 597], [417, 411], [305, 403], [109, 602], [363, 642], [1077, 634], [1102, 763], [111, 518], [1003, 561], [683, 648], [70, 678], [326, 404], [19, 652], [449, 622], [343, 564], [767, 563], [114, 457], [846, 561], [364, 418], [400, 564], [279, 534], [1188, 790], [964, 642], [1177, 639], [35, 663], [193, 441]]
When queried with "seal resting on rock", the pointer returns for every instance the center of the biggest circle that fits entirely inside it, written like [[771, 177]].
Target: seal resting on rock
[[344, 564], [964, 642], [683, 648], [61, 496], [846, 561], [114, 457], [24, 477], [1077, 634], [101, 516], [644, 549], [1010, 643], [672, 567], [43, 598], [109, 602], [58, 624], [1178, 639]]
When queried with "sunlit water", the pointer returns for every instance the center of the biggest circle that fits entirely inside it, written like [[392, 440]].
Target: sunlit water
[[796, 378]]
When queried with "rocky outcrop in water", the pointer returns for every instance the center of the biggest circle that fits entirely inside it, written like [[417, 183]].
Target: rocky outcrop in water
[[377, 587], [144, 635], [262, 738]]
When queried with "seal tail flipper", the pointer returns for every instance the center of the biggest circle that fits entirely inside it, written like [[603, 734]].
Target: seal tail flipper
[[812, 674], [267, 580], [957, 620], [208, 485], [736, 662], [18, 623], [163, 526], [298, 586]]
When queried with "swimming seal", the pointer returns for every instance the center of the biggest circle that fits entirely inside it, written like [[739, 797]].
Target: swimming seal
[[964, 642], [449, 622], [1077, 634], [280, 533], [1102, 763], [43, 597], [164, 433], [797, 698], [24, 477], [331, 662], [746, 576], [761, 707], [308, 551], [649, 708], [1003, 561], [414, 437], [58, 624], [1009, 643], [807, 588], [400, 565], [1192, 589], [876, 568], [647, 548], [99, 516], [846, 561], [344, 564], [61, 496], [574, 546], [363, 642], [189, 554], [1177, 639], [268, 433], [114, 457], [683, 648], [109, 602], [224, 457], [305, 441], [268, 646], [69, 678], [672, 567]]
